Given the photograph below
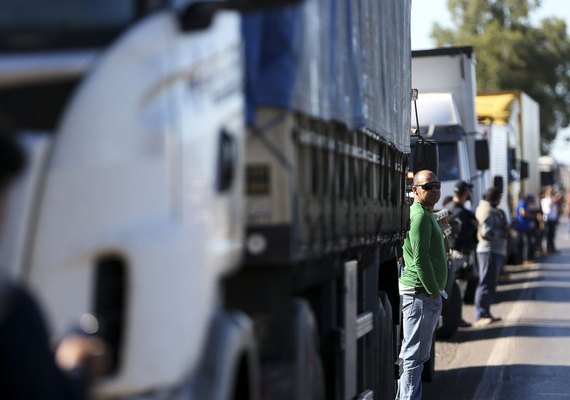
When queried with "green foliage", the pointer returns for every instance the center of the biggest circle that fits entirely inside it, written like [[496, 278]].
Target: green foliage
[[512, 54]]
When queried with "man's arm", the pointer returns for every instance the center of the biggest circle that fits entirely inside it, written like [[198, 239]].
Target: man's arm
[[421, 235]]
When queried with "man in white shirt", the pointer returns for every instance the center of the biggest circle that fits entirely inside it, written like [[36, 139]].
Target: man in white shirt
[[549, 205]]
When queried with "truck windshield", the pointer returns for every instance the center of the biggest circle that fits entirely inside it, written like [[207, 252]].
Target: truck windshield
[[448, 162], [36, 24]]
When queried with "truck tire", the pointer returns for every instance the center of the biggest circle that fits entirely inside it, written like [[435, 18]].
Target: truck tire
[[302, 376], [451, 314], [469, 295], [386, 371], [309, 372], [514, 250], [229, 367]]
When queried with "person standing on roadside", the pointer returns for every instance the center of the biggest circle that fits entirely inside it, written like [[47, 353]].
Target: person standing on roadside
[[465, 243], [524, 225], [549, 205], [491, 254], [466, 240], [422, 283], [566, 211]]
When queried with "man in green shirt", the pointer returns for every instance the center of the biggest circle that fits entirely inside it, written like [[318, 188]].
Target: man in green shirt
[[422, 283]]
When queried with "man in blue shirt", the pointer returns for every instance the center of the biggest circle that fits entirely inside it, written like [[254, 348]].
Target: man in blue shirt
[[523, 225]]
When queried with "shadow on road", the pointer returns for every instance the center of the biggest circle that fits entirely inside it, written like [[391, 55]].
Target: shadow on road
[[536, 282], [524, 328], [502, 382], [543, 278], [539, 293]]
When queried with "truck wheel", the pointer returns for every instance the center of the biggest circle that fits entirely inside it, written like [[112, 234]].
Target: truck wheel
[[514, 250], [469, 296], [299, 375], [309, 367], [229, 366], [451, 314], [387, 382]]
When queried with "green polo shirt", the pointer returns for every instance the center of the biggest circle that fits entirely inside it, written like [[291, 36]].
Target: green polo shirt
[[425, 259]]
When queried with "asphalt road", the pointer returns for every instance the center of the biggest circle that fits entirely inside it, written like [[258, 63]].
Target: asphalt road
[[524, 356]]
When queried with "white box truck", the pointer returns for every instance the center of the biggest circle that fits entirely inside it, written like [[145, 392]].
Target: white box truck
[[446, 81], [221, 262], [511, 122]]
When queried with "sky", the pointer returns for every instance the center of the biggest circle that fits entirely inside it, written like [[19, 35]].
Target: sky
[[426, 12]]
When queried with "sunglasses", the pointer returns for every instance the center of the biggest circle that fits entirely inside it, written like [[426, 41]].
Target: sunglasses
[[430, 185]]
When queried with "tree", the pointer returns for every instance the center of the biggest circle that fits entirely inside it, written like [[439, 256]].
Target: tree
[[512, 54]]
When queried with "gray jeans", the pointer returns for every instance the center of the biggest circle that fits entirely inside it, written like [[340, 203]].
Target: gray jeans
[[490, 265], [420, 314]]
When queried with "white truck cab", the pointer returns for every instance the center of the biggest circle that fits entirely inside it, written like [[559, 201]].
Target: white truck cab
[[440, 122], [132, 142], [446, 80]]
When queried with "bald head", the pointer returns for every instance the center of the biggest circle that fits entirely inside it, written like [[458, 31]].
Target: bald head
[[426, 188], [424, 176]]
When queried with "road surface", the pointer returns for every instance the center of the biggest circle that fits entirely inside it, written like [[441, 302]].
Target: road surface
[[524, 356]]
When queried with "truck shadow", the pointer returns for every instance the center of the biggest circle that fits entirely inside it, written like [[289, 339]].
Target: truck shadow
[[536, 293], [543, 278], [547, 281], [500, 382], [528, 327]]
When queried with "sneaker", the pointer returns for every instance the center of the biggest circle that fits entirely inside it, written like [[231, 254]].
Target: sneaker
[[483, 321]]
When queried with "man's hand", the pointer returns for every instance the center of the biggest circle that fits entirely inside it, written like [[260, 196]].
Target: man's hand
[[76, 350]]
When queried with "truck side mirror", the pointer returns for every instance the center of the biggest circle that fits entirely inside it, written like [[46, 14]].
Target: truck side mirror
[[499, 183], [482, 154], [425, 155], [523, 169], [547, 178]]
